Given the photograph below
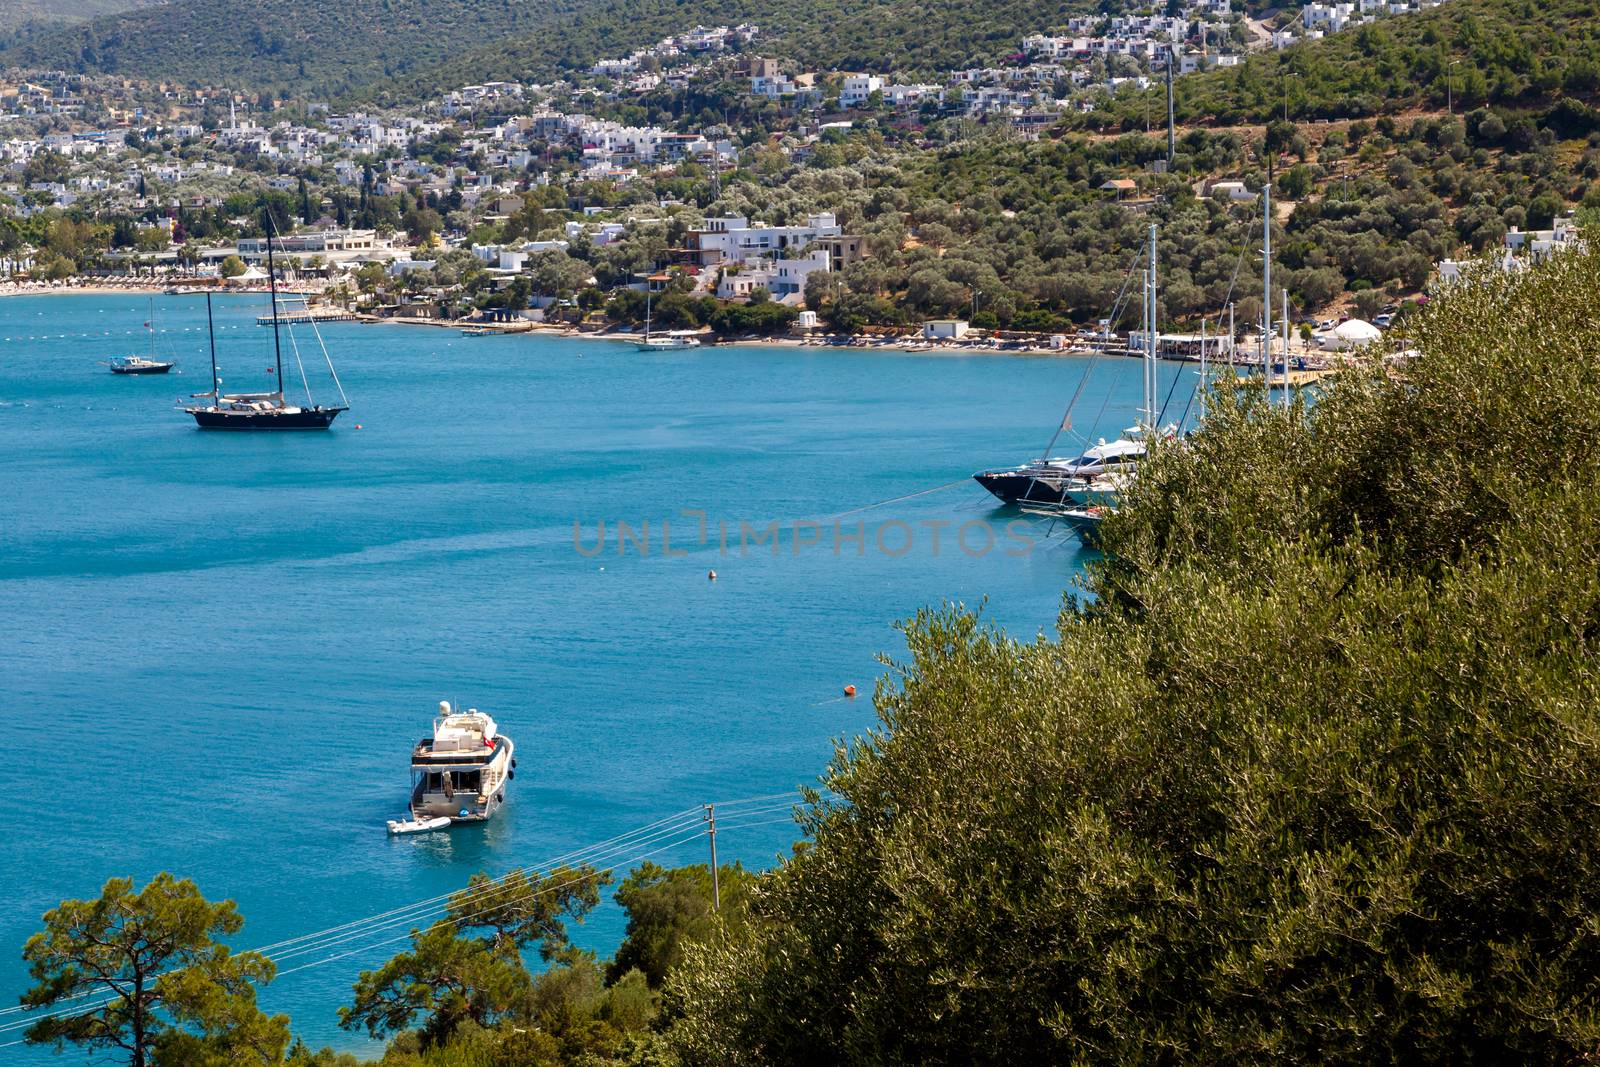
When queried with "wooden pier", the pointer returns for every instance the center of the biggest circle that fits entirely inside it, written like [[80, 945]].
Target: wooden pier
[[1298, 379]]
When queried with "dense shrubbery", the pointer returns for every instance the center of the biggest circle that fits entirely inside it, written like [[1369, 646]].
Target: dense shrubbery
[[1312, 774]]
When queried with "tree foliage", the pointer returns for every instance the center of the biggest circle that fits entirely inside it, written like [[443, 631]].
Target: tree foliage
[[176, 996], [1311, 771], [450, 979]]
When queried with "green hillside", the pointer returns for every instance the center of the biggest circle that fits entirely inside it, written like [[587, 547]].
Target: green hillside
[[325, 47], [410, 48], [1465, 53], [44, 15], [927, 37]]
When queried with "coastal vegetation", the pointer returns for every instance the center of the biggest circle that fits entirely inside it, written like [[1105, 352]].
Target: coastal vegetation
[[1309, 772], [1022, 235], [144, 978]]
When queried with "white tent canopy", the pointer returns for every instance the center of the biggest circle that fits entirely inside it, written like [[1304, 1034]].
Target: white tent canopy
[[1354, 333]]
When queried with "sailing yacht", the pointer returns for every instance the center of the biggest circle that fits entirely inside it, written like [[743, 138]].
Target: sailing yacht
[[1046, 480], [270, 410], [1102, 471], [141, 364], [661, 342]]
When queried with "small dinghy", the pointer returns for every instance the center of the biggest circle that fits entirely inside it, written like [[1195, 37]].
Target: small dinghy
[[418, 826]]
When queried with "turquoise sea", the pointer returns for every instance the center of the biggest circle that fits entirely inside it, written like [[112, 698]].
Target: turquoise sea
[[217, 649]]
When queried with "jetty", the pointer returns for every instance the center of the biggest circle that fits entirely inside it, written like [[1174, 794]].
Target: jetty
[[1298, 379], [304, 315]]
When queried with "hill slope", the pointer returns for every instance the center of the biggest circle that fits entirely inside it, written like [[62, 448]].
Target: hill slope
[[324, 47], [928, 36], [40, 16], [413, 47], [1466, 53]]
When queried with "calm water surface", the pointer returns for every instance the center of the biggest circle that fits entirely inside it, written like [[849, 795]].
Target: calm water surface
[[217, 649]]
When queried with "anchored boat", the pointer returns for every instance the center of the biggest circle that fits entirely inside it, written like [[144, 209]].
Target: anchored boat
[[459, 774], [266, 410], [1046, 481], [662, 342], [142, 364]]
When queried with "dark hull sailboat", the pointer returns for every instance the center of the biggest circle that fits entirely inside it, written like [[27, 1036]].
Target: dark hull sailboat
[[270, 418], [142, 367], [1021, 485], [262, 411], [142, 364]]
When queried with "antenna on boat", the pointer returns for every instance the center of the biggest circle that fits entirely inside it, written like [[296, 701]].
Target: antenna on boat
[[272, 285]]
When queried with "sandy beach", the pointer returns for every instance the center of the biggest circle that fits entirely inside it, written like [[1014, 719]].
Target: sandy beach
[[859, 343], [72, 289]]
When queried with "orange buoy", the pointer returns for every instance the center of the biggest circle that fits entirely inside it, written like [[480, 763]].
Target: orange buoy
[[849, 690]]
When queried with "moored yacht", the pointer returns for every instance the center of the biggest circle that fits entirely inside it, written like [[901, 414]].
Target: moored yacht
[[266, 410], [663, 341], [460, 772], [1046, 480], [138, 365], [142, 364]]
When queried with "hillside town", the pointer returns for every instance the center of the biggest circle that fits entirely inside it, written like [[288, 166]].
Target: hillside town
[[527, 202]]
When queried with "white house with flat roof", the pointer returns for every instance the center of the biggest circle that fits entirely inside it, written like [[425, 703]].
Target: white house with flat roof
[[857, 88], [944, 329]]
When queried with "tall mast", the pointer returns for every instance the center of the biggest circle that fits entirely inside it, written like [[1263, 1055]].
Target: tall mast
[[272, 285], [1284, 319], [1202, 370], [211, 331], [1150, 339], [1266, 284], [1144, 340]]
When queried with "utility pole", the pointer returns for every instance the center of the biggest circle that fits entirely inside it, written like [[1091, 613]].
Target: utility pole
[[716, 889], [1450, 87]]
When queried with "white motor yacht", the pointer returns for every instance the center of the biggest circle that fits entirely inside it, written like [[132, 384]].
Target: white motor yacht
[[461, 771]]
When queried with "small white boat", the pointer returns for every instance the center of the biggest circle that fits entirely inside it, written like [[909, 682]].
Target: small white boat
[[665, 341], [418, 826]]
